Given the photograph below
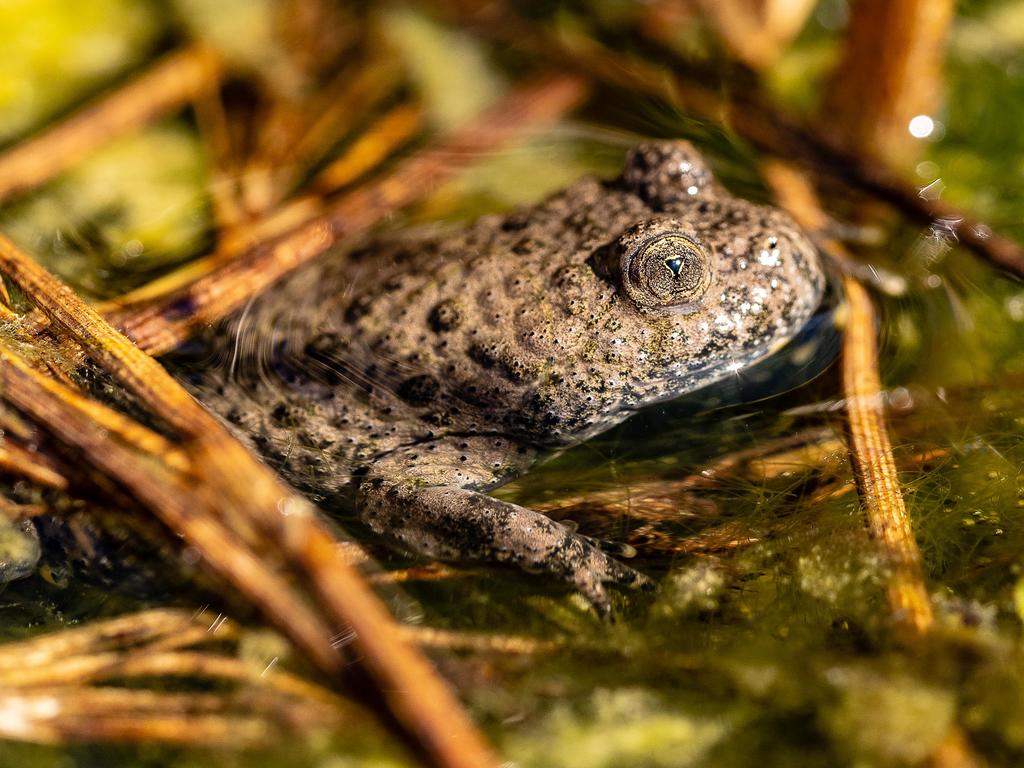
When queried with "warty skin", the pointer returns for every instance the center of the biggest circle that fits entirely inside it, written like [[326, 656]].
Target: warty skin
[[410, 378]]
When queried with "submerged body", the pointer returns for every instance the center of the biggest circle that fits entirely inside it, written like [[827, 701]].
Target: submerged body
[[412, 377]]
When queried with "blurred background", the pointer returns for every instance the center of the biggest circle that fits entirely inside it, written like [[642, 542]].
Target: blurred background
[[144, 145]]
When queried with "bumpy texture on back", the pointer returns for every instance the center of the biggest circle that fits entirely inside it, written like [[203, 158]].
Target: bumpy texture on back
[[454, 362]]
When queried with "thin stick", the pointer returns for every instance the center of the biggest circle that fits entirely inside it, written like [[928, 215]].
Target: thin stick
[[222, 186], [757, 33], [763, 125], [168, 322], [146, 644], [478, 642], [16, 460], [131, 432], [874, 467], [135, 629], [120, 310], [135, 663], [170, 500], [890, 71], [421, 701], [51, 717], [165, 86], [871, 450], [870, 447], [209, 665], [367, 152], [351, 94], [371, 148], [89, 706], [112, 698]]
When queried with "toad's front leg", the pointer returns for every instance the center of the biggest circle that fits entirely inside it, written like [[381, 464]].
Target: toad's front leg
[[452, 523]]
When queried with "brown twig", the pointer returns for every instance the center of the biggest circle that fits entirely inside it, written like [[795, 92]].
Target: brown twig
[[145, 644], [165, 324], [67, 686], [222, 184], [170, 499], [234, 242], [166, 85], [353, 94], [13, 511], [874, 467], [139, 628], [890, 71], [870, 447], [380, 141], [68, 716], [118, 425], [871, 450], [236, 487], [815, 456], [761, 124], [476, 642], [40, 469], [294, 136], [393, 129], [757, 32]]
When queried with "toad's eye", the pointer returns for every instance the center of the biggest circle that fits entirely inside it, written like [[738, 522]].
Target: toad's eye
[[664, 265]]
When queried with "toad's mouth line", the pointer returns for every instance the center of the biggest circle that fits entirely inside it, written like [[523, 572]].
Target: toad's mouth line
[[806, 349], [793, 359]]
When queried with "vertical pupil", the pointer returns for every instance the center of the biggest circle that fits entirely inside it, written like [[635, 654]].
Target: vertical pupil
[[674, 264]]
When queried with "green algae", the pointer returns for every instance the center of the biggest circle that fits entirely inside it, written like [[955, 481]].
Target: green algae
[[887, 719], [54, 52], [131, 210], [626, 726], [450, 70], [244, 33]]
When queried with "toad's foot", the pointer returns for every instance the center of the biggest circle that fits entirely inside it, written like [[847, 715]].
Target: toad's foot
[[451, 523]]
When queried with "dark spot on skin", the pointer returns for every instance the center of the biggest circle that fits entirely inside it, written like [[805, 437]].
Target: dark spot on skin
[[419, 390], [325, 349], [527, 246], [446, 316], [316, 440], [507, 363], [404, 255], [569, 276], [515, 327], [516, 222], [359, 308], [485, 356], [284, 415]]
